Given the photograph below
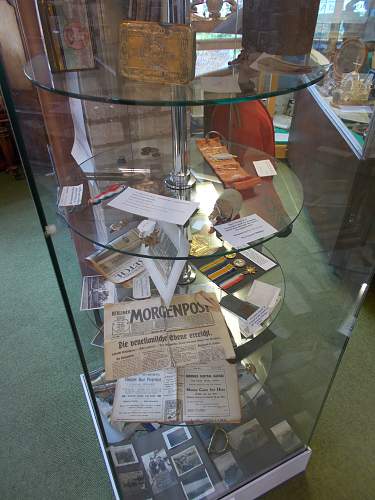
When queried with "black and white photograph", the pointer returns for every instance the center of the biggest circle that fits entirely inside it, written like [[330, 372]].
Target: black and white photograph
[[96, 291], [285, 436], [247, 437], [124, 455], [186, 460], [228, 469], [132, 482], [159, 470], [176, 436], [197, 485]]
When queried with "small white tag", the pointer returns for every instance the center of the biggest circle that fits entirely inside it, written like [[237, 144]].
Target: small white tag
[[264, 168], [71, 196], [259, 259], [141, 286]]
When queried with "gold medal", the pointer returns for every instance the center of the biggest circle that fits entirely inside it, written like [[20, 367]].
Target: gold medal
[[250, 270], [230, 256], [239, 262]]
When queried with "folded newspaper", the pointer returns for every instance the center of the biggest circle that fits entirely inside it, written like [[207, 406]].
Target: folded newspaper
[[145, 335], [118, 266], [192, 394]]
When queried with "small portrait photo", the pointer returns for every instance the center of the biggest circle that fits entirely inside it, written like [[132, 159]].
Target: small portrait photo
[[228, 469], [159, 470], [247, 437], [175, 436], [197, 485], [186, 460], [123, 455], [96, 291], [132, 483], [285, 436]]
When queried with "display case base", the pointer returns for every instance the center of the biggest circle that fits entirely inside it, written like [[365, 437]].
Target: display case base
[[254, 489]]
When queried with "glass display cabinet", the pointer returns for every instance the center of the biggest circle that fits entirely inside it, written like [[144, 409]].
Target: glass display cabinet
[[210, 296]]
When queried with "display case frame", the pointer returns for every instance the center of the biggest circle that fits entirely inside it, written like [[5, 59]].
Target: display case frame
[[292, 361]]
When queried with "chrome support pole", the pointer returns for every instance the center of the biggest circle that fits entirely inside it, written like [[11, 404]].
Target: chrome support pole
[[178, 11]]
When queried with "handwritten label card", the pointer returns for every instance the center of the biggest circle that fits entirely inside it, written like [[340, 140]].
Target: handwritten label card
[[71, 196], [264, 168]]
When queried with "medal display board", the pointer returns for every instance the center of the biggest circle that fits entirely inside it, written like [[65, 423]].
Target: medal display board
[[201, 296]]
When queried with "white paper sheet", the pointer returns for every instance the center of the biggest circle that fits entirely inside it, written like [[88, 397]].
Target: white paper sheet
[[245, 230], [264, 168], [259, 259], [154, 206], [263, 294], [71, 196]]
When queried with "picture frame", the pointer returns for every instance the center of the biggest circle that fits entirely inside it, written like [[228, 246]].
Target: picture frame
[[68, 34]]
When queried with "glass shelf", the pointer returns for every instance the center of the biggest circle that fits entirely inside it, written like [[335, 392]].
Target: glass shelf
[[278, 200], [221, 84], [254, 355]]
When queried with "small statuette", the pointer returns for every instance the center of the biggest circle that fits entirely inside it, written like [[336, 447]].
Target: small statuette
[[148, 232], [239, 262], [231, 256]]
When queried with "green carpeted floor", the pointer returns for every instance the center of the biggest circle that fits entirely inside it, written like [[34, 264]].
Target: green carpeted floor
[[49, 448]]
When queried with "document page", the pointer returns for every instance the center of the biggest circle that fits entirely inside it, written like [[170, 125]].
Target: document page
[[206, 392], [209, 392], [147, 397], [144, 335]]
